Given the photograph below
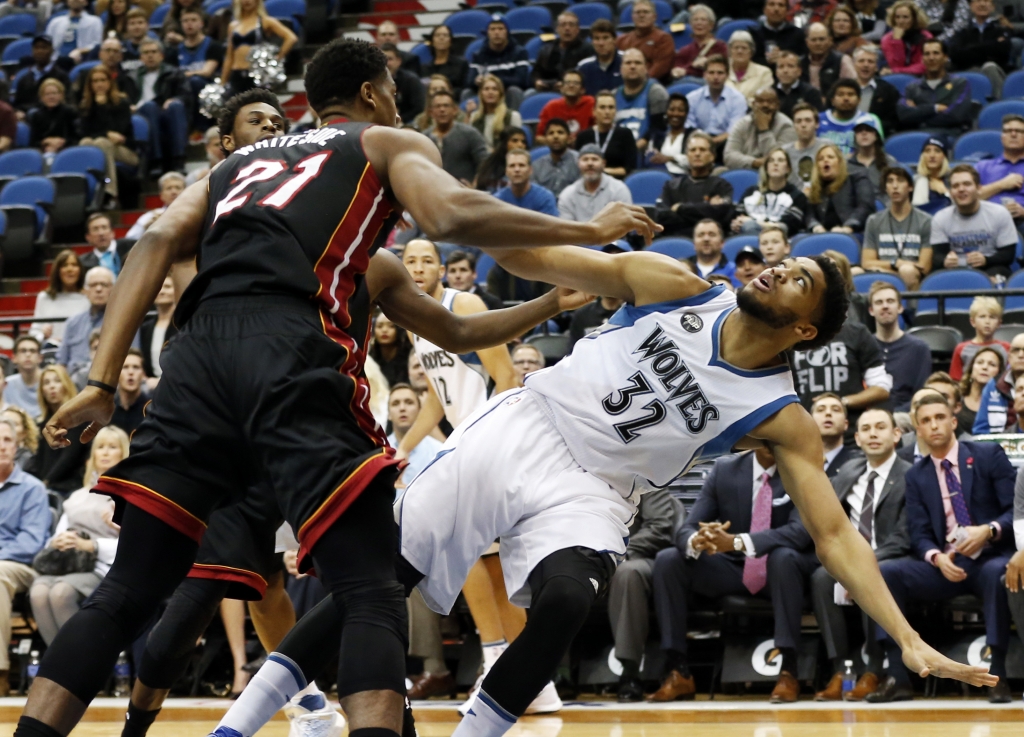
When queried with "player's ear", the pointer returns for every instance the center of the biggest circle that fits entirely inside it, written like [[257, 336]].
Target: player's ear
[[806, 331], [228, 143], [366, 93]]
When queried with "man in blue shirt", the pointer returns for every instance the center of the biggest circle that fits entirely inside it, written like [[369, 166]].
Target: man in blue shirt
[[520, 191], [24, 526], [74, 349], [601, 71], [403, 409], [715, 107]]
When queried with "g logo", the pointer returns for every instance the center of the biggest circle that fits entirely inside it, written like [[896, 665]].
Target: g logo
[[978, 653], [760, 663]]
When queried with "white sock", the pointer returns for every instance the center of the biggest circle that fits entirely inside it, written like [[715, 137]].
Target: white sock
[[485, 719], [274, 684], [492, 651]]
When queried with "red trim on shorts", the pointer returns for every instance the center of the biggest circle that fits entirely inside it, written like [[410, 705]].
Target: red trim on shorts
[[250, 579], [155, 504], [340, 500]]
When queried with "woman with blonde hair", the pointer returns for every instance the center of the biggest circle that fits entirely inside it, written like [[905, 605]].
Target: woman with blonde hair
[[26, 431], [86, 524], [60, 469], [903, 46], [493, 116], [842, 23], [931, 184], [745, 76], [105, 121], [251, 26], [53, 125], [840, 198]]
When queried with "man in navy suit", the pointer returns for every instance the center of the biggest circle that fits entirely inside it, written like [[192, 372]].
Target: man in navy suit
[[736, 540], [959, 502]]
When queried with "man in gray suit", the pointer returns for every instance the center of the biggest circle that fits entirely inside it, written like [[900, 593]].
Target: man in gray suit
[[871, 490], [629, 596]]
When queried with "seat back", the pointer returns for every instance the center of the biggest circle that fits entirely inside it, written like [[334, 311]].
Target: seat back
[[553, 347], [1013, 87], [21, 163], [683, 88], [906, 147], [36, 192], [814, 245], [726, 30], [946, 279], [23, 136], [590, 12], [18, 25], [533, 47], [539, 152], [530, 108], [862, 282], [535, 18], [677, 248], [732, 246], [156, 18], [900, 81], [978, 143], [80, 69], [981, 88], [646, 186], [941, 339], [15, 50], [662, 10], [740, 179], [468, 23], [85, 161], [991, 116]]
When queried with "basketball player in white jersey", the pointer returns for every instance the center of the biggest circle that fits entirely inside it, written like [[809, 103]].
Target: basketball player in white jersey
[[458, 385]]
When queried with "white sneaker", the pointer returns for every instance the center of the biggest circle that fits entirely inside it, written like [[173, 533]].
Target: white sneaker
[[323, 722], [547, 701], [468, 703]]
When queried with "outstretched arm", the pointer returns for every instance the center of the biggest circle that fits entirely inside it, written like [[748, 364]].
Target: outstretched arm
[[450, 212], [408, 307], [842, 550], [174, 237]]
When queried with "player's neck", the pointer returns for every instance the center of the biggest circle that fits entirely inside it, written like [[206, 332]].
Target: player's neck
[[747, 343]]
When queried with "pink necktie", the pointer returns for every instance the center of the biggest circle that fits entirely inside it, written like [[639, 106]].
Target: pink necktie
[[755, 570]]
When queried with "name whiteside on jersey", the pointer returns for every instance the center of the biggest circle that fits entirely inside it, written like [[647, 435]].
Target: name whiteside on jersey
[[319, 136]]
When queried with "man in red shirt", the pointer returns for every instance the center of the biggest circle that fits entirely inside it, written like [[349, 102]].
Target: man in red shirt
[[657, 46], [573, 107]]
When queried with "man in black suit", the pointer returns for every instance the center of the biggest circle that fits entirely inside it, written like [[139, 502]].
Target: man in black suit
[[877, 96], [959, 503], [735, 541], [829, 412], [871, 491]]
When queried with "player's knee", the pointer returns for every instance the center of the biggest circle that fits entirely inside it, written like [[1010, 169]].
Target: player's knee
[[380, 603], [130, 607], [564, 600]]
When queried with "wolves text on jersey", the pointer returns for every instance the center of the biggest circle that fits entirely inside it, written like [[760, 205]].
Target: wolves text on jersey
[[672, 373], [436, 359]]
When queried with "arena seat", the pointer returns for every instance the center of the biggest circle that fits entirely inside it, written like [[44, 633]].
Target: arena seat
[[553, 346], [10, 60], [683, 88], [24, 134], [946, 279], [818, 243], [422, 52], [1013, 307], [991, 116], [493, 6], [524, 23], [645, 186], [19, 163], [1013, 87], [539, 152], [533, 47], [590, 12], [156, 18], [941, 339], [472, 49], [483, 267], [733, 245], [906, 147], [76, 172], [1007, 332], [740, 179], [26, 203], [80, 69], [677, 248], [212, 7], [977, 143], [531, 106], [724, 31], [981, 88], [467, 24], [900, 81], [862, 282], [13, 27], [293, 12], [662, 10]]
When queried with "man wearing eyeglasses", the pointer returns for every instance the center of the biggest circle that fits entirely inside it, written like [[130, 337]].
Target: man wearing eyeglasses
[[996, 412], [1002, 177]]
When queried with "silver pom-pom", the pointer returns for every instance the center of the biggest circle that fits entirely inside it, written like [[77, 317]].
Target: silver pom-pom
[[211, 99], [265, 68]]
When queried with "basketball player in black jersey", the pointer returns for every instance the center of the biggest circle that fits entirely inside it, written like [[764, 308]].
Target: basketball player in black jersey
[[264, 382]]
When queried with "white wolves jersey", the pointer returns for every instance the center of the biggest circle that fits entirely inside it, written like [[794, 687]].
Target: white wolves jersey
[[641, 401], [459, 379]]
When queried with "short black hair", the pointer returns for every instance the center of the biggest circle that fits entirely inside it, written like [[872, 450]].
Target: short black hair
[[850, 84], [456, 256], [228, 114], [559, 122], [939, 41], [338, 70], [896, 171], [832, 308], [31, 339]]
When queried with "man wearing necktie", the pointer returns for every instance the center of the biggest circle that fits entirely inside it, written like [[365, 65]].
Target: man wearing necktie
[[960, 519], [871, 490], [744, 537]]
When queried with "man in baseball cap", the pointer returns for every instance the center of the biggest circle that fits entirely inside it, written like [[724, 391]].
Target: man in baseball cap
[[502, 57], [749, 263], [594, 189]]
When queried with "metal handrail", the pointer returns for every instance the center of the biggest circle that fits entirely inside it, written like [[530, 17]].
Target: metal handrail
[[944, 294]]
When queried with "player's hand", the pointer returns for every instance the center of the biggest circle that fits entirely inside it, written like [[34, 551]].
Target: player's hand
[[926, 661], [572, 299], [92, 405], [1015, 572], [950, 570], [618, 219]]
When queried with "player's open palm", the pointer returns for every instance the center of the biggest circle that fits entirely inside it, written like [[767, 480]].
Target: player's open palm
[[618, 219], [92, 405], [925, 660]]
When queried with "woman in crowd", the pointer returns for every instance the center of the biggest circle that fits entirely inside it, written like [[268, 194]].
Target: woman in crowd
[[157, 330], [438, 83], [668, 147], [986, 365], [106, 122], [491, 175], [773, 199], [492, 116], [251, 27], [62, 297], [53, 125], [744, 75], [446, 62], [115, 23], [840, 198], [870, 154], [171, 31], [60, 469], [931, 185], [903, 46], [27, 434], [55, 599], [618, 143], [870, 19], [691, 58], [390, 350], [845, 29]]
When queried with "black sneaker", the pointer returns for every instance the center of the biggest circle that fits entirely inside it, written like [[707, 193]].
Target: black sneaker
[[630, 691]]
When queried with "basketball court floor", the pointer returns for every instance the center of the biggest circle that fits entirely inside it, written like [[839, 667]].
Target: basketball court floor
[[724, 717]]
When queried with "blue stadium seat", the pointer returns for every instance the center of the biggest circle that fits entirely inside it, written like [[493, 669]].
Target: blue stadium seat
[[1016, 281], [900, 81], [981, 88], [906, 147], [862, 282], [21, 139], [530, 108], [662, 10], [1013, 87], [683, 88], [945, 279], [25, 203], [156, 18], [740, 179], [15, 26], [727, 29], [733, 245], [18, 77], [423, 53], [80, 69], [467, 23], [23, 162], [14, 51], [291, 11], [215, 5], [646, 186], [677, 248], [473, 48], [484, 264], [533, 47], [493, 6], [991, 116], [531, 20], [140, 131], [76, 172], [978, 143], [812, 245], [539, 152], [590, 12], [681, 37]]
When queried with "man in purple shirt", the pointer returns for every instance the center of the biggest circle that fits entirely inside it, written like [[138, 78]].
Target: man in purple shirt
[[1002, 178]]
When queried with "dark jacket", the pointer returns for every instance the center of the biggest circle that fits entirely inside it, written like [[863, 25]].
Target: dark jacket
[[692, 196], [456, 69], [26, 93], [50, 122], [829, 70], [656, 519], [411, 95], [799, 92], [987, 479], [60, 469], [890, 522], [884, 102], [847, 454], [146, 340], [727, 495], [970, 47], [954, 92], [511, 65], [170, 83], [787, 38], [853, 202], [553, 61], [96, 120]]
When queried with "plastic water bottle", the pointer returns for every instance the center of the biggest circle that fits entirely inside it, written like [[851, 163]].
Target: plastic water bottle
[[849, 677], [122, 676], [32, 670]]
